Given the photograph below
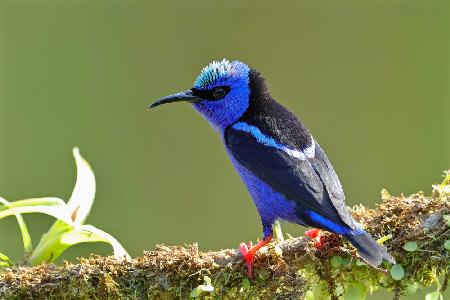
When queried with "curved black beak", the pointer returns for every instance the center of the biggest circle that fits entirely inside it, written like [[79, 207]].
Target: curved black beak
[[186, 96]]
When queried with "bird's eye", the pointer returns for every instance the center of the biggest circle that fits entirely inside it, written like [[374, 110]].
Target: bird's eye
[[219, 93]]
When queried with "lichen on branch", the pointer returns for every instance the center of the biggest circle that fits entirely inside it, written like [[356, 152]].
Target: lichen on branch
[[415, 229]]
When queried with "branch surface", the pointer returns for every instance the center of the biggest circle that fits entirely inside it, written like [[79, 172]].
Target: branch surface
[[284, 270]]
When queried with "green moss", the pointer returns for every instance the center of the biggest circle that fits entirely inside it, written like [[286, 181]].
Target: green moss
[[333, 271]]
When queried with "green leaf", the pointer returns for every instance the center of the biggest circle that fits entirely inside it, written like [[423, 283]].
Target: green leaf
[[26, 239], [444, 187], [50, 246], [5, 264], [410, 246], [397, 272], [78, 207], [447, 244], [434, 296], [336, 261], [5, 261], [310, 295], [320, 291], [83, 195], [51, 206], [207, 287], [385, 194], [411, 290], [62, 236], [360, 263], [119, 250], [346, 261], [356, 292], [245, 283], [4, 257], [383, 239]]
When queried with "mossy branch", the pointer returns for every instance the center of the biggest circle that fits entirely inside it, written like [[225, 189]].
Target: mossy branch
[[300, 271]]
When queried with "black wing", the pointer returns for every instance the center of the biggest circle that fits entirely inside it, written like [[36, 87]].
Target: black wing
[[311, 183]]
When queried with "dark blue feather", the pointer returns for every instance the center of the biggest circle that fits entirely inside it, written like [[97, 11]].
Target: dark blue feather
[[298, 180]]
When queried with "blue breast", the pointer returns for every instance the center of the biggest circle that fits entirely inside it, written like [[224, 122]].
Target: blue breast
[[270, 204]]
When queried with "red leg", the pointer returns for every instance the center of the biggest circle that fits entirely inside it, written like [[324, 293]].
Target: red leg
[[248, 252], [312, 233], [317, 236]]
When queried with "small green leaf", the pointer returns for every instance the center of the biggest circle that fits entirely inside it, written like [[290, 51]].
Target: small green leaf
[[410, 246], [397, 272], [5, 261], [4, 257], [245, 283], [383, 239], [54, 207], [411, 290], [195, 292], [346, 261], [310, 295], [66, 233], [355, 292], [50, 246], [447, 244], [385, 194], [26, 239], [352, 294], [5, 264], [336, 261], [62, 236], [433, 296], [119, 251], [360, 263], [207, 287], [444, 187]]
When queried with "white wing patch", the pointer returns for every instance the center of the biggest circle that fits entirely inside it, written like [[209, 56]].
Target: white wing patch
[[309, 152]]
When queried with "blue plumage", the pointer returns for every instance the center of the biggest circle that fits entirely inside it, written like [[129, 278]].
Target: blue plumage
[[256, 133], [220, 114], [285, 170], [327, 223], [269, 141], [271, 205]]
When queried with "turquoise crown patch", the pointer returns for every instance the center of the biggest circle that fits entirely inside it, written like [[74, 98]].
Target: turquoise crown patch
[[214, 71]]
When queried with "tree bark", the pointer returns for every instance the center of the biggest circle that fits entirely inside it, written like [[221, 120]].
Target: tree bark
[[284, 270]]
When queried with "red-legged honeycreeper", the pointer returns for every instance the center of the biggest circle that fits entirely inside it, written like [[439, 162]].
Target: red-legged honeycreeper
[[286, 172]]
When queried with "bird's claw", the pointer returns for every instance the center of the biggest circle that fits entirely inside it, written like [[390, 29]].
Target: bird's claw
[[249, 250], [312, 233], [248, 257], [316, 235]]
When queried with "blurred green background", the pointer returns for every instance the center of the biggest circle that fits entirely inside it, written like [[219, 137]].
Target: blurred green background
[[369, 78]]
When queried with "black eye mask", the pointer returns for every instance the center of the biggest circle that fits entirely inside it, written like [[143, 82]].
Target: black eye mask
[[214, 94]]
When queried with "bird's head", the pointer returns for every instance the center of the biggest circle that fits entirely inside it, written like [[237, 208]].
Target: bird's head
[[220, 93]]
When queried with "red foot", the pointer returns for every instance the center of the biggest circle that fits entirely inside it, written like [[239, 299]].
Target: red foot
[[249, 250], [317, 236]]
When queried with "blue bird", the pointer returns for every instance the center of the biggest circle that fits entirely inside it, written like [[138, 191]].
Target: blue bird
[[286, 172]]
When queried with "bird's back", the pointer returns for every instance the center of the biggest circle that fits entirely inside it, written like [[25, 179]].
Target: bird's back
[[272, 118]]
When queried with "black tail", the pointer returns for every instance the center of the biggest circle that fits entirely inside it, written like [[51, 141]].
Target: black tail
[[368, 248]]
